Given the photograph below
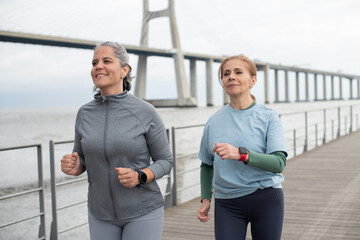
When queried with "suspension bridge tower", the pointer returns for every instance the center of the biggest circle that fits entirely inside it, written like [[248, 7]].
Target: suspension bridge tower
[[184, 98]]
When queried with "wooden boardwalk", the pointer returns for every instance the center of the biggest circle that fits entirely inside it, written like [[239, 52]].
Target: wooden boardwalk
[[322, 197]]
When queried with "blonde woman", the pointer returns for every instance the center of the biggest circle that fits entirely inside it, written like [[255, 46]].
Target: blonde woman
[[243, 154]]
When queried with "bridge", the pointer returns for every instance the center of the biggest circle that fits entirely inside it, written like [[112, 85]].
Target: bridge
[[187, 95]]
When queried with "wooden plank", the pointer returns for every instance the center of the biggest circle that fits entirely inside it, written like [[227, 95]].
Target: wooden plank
[[322, 197]]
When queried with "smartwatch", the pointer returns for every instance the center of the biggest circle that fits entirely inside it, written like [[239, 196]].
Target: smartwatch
[[243, 153], [142, 177]]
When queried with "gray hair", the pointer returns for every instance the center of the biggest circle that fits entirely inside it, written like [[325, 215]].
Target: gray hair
[[121, 53]]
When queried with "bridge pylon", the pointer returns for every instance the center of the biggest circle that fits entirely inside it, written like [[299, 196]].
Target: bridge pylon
[[184, 98]]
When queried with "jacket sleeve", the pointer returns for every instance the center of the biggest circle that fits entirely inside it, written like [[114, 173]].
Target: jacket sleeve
[[77, 142], [159, 148]]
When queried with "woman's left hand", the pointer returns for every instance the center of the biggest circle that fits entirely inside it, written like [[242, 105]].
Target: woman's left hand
[[226, 151], [127, 177]]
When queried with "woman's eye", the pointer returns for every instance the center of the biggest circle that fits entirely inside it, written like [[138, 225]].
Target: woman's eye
[[94, 64], [238, 72], [226, 74]]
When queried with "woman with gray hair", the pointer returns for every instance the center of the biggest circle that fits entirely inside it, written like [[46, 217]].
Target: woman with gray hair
[[116, 134]]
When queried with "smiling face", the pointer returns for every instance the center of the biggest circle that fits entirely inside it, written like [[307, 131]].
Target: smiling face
[[236, 78], [106, 72]]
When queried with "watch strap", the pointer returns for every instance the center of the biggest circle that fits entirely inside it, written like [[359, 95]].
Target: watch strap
[[243, 157], [142, 177], [243, 153]]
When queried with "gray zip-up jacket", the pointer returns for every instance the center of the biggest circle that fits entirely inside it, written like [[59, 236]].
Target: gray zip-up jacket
[[121, 131]]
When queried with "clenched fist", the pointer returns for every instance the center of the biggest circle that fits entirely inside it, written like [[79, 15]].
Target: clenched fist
[[70, 164], [127, 177], [203, 212]]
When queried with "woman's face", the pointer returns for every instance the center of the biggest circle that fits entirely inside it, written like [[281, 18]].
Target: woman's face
[[106, 72], [236, 78]]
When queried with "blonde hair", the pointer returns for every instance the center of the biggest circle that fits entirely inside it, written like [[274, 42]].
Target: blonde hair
[[251, 67]]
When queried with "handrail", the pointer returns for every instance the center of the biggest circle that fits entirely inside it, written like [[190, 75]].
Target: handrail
[[72, 205], [315, 110], [71, 181], [20, 194], [22, 220], [39, 189]]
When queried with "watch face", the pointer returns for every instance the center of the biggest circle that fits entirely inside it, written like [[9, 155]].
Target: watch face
[[143, 177], [243, 150]]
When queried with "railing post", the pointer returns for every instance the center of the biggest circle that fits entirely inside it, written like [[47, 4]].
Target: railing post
[[306, 133], [324, 139], [41, 194], [345, 125], [168, 197], [351, 118], [338, 133], [53, 230], [174, 186], [294, 142], [316, 134]]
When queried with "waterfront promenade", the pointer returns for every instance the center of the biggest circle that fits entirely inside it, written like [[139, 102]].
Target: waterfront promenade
[[322, 197]]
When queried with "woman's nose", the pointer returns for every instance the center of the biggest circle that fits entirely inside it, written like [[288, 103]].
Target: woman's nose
[[232, 76], [99, 65]]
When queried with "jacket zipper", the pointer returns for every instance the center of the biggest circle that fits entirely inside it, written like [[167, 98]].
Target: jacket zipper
[[107, 160]]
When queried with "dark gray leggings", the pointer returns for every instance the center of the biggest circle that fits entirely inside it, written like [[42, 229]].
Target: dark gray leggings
[[147, 227], [264, 209]]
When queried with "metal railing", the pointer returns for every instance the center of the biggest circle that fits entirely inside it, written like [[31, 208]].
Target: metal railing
[[54, 232], [312, 132], [334, 123], [39, 189], [175, 188]]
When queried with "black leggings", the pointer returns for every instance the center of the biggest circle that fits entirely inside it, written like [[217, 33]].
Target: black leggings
[[264, 209]]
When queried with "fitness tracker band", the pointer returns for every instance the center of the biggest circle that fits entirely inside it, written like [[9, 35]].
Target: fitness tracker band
[[243, 153]]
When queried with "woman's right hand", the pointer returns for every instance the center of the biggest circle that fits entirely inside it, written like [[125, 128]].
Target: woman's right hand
[[203, 212], [70, 164]]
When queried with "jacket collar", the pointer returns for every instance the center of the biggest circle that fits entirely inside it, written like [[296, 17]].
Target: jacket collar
[[113, 98]]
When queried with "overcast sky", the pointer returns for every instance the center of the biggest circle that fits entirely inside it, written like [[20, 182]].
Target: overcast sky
[[316, 34]]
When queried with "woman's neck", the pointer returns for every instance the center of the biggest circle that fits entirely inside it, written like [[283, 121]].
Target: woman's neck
[[241, 103]]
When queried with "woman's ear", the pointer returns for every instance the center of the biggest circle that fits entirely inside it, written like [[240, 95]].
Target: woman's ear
[[253, 81], [126, 69]]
